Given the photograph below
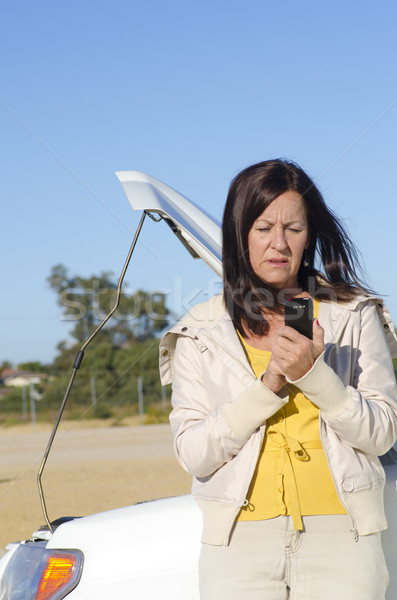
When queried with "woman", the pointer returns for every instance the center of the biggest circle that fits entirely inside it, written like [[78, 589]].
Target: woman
[[281, 432]]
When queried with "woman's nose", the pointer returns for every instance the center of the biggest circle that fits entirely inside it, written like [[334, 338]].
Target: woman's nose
[[278, 241]]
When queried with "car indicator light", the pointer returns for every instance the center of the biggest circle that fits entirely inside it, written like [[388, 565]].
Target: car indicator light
[[58, 572]]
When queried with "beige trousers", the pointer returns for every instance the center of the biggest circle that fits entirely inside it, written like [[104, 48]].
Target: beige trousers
[[268, 560]]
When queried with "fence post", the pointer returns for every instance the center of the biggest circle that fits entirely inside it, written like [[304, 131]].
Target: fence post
[[24, 404], [163, 398], [93, 391], [32, 406], [140, 400]]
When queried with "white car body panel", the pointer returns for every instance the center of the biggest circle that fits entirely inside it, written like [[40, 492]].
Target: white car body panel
[[151, 550]]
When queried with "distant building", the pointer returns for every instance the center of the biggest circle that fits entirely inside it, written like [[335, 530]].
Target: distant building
[[16, 378]]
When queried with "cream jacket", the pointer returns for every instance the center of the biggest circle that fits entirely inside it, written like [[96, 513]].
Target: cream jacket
[[220, 408]]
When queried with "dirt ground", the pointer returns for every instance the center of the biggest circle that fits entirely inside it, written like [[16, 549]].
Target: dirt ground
[[91, 468]]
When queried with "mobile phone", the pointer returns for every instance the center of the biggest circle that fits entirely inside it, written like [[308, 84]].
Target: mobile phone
[[298, 313]]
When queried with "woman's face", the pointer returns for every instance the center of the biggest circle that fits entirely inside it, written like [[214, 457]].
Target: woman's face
[[277, 240]]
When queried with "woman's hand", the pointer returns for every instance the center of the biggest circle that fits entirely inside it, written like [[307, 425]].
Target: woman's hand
[[273, 378], [294, 354]]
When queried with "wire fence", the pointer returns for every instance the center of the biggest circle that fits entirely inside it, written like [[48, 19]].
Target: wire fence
[[104, 395]]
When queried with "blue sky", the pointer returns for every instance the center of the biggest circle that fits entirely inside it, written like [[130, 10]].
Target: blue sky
[[190, 93]]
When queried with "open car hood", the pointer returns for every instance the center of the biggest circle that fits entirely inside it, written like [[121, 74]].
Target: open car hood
[[199, 232]]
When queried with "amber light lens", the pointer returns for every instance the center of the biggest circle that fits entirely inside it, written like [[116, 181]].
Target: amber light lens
[[58, 572]]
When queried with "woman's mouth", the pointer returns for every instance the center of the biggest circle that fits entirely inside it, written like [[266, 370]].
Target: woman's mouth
[[277, 262]]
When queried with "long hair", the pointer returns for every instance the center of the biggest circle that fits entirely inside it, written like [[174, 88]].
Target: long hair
[[248, 298]]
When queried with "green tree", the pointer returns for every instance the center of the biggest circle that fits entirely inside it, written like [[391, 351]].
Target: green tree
[[125, 349], [34, 366], [87, 300], [5, 365]]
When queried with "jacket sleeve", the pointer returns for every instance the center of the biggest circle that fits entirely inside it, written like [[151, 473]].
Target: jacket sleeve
[[363, 414], [207, 435]]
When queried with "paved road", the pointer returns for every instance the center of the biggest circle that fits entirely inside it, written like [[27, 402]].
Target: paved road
[[89, 470]]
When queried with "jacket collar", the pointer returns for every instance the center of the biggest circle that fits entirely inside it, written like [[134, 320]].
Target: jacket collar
[[212, 316], [334, 315], [211, 326]]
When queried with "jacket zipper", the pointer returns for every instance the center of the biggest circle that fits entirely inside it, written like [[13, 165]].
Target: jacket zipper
[[353, 529]]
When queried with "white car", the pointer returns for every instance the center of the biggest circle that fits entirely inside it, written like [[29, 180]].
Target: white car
[[149, 550]]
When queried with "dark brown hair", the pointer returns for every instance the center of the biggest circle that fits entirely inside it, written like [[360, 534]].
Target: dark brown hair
[[250, 193]]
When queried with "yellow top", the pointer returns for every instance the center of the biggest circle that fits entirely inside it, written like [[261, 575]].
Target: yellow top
[[292, 476]]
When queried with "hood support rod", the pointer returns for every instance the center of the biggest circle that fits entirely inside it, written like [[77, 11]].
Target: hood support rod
[[76, 365]]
